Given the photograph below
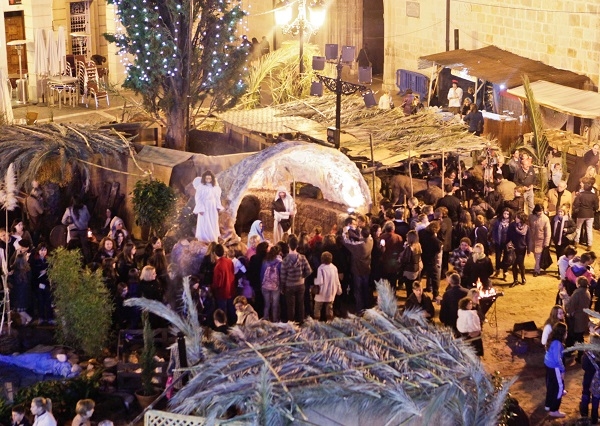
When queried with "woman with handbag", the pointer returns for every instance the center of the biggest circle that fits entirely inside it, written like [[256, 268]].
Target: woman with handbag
[[563, 230], [410, 261]]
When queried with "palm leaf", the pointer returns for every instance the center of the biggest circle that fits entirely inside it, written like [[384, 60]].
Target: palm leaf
[[58, 149], [540, 141]]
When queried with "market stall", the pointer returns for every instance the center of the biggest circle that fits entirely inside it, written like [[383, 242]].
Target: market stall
[[566, 104], [491, 71]]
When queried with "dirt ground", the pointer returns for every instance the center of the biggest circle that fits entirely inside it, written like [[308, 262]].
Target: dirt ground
[[524, 359]]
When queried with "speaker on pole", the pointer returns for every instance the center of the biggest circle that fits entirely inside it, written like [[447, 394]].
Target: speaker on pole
[[318, 63], [369, 98], [331, 52], [348, 53], [316, 88], [365, 75]]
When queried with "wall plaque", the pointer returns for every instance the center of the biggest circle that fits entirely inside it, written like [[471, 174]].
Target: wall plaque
[[413, 9]]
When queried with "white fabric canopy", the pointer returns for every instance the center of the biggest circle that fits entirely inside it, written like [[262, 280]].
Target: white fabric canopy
[[5, 100], [580, 103]]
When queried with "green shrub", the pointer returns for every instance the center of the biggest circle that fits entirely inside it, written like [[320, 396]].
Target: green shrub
[[83, 304], [63, 393], [153, 202]]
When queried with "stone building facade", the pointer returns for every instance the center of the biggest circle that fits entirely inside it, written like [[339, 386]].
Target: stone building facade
[[560, 33]]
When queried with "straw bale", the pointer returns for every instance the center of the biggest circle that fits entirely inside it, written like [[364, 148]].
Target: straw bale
[[311, 212]]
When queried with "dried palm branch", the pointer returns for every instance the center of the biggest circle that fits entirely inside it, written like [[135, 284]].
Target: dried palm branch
[[186, 322], [57, 149], [540, 141], [394, 134], [381, 368], [9, 201], [276, 75]]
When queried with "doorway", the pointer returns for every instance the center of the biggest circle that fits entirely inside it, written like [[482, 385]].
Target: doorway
[[14, 24], [373, 33]]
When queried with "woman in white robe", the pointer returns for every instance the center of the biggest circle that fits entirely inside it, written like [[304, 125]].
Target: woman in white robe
[[208, 206], [284, 208]]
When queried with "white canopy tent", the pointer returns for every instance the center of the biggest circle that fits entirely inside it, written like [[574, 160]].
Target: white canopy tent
[[580, 103]]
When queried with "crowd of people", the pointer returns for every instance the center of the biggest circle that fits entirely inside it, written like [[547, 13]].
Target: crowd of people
[[481, 227], [41, 414]]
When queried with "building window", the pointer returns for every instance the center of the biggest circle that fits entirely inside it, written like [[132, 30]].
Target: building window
[[80, 23]]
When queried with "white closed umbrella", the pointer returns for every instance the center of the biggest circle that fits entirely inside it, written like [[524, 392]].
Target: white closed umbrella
[[40, 62], [61, 48], [40, 51], [53, 65], [5, 98]]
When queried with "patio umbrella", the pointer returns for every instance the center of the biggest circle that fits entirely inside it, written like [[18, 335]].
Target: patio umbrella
[[5, 99], [61, 48], [40, 63], [53, 65], [40, 52]]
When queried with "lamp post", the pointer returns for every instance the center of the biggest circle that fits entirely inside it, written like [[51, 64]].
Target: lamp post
[[339, 87], [300, 26]]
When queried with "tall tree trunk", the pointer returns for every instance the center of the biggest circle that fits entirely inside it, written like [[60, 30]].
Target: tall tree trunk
[[176, 126]]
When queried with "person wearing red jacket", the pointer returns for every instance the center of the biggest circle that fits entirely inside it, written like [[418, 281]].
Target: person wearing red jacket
[[223, 284]]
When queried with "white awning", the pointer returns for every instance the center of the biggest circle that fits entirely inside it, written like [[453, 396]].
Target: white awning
[[580, 103]]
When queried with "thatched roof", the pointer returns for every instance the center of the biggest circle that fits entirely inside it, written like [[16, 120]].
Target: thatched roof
[[48, 148], [501, 67], [379, 369], [396, 137]]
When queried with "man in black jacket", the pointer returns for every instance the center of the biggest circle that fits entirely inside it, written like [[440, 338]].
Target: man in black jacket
[[584, 207], [449, 308], [431, 257], [401, 227], [451, 202]]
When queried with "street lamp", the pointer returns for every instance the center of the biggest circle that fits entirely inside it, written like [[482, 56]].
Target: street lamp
[[339, 87], [300, 26]]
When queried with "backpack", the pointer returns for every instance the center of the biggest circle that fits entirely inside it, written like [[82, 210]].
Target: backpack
[[595, 385], [271, 278]]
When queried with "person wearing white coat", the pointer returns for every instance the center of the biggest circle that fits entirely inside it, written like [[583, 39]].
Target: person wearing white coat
[[329, 286], [469, 324]]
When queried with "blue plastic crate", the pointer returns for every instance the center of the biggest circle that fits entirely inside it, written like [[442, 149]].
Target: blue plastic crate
[[415, 81]]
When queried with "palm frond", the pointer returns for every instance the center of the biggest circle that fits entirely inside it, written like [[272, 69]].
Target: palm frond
[[389, 366], [276, 76], [46, 151], [540, 141]]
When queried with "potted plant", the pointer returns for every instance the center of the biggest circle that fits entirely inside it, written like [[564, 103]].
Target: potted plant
[[148, 392], [153, 203]]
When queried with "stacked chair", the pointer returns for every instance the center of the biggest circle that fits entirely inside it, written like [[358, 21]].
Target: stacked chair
[[90, 84]]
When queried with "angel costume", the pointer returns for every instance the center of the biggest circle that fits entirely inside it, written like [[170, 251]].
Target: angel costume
[[283, 211], [208, 202]]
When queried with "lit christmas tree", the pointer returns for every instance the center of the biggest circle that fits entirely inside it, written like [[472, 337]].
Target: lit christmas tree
[[173, 62]]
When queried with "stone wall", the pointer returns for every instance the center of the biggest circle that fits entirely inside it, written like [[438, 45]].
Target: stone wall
[[563, 34]]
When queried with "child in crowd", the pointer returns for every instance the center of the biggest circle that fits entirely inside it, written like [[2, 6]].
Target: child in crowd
[[84, 410], [18, 416], [565, 261]]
